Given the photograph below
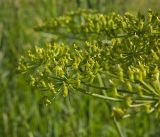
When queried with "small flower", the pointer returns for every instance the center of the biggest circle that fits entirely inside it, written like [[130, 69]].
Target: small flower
[[138, 89], [128, 85], [128, 101], [113, 87], [120, 72], [65, 89], [118, 113]]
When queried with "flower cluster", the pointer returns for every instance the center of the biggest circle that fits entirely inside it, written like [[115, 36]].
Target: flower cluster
[[116, 57]]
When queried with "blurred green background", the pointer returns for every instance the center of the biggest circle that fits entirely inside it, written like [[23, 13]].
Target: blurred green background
[[22, 113]]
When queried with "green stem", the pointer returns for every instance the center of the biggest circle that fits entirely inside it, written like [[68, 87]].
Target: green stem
[[149, 87], [144, 101], [106, 89], [114, 120], [138, 105], [101, 83], [119, 131], [99, 96]]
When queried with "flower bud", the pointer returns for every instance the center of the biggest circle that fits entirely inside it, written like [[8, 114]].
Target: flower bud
[[156, 84], [43, 84], [113, 87], [138, 75], [59, 71], [128, 101], [143, 70], [141, 25], [138, 89], [65, 89], [32, 80], [150, 28], [147, 108], [128, 85], [96, 67], [78, 80], [91, 77], [97, 28], [51, 87], [155, 81], [40, 73], [75, 66], [120, 72], [124, 25], [156, 74], [131, 74], [154, 55], [150, 17], [87, 66], [91, 62], [118, 113], [46, 101]]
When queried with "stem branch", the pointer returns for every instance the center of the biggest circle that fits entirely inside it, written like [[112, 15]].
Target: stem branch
[[119, 131]]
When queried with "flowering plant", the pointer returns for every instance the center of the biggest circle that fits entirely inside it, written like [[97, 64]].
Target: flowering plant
[[112, 57]]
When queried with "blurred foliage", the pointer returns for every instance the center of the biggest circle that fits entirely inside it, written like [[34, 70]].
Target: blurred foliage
[[22, 112]]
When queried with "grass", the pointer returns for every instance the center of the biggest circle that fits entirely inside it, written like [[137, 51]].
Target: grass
[[22, 112]]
